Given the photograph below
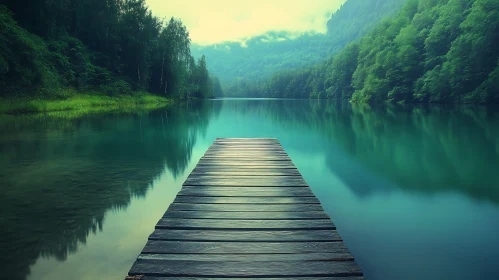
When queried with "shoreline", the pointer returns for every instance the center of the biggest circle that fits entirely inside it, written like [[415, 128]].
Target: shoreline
[[85, 102]]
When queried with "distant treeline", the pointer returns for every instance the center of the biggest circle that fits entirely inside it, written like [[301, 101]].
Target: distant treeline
[[431, 51], [111, 46]]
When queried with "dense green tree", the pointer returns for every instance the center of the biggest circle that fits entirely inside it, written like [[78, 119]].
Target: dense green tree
[[431, 51], [217, 87], [21, 55], [357, 17], [339, 82]]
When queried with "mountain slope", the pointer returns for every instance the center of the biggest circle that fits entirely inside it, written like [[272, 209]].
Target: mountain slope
[[356, 18], [239, 65], [431, 51]]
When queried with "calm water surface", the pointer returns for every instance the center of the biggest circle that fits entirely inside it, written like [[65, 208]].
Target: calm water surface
[[414, 191]]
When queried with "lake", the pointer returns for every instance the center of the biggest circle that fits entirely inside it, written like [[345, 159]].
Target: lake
[[413, 190]]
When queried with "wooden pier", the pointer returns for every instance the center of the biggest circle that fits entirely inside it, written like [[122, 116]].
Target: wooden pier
[[245, 212]]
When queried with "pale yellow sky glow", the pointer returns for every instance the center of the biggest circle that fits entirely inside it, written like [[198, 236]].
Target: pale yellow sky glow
[[214, 21]]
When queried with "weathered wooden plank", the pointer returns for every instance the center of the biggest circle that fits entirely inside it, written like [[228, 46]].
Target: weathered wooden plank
[[245, 207], [256, 145], [243, 177], [242, 165], [244, 269], [193, 247], [311, 215], [250, 257], [267, 151], [244, 168], [246, 236], [241, 150], [235, 162], [244, 159], [247, 183], [245, 172], [209, 224], [253, 278], [262, 164], [245, 151], [245, 191], [273, 141], [246, 148], [246, 140], [254, 181], [246, 200], [230, 158], [253, 141], [259, 144], [256, 141]]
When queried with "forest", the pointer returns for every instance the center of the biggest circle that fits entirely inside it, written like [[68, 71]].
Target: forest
[[442, 51], [243, 64], [373, 51], [111, 47]]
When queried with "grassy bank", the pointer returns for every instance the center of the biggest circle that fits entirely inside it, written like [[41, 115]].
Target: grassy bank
[[91, 101]]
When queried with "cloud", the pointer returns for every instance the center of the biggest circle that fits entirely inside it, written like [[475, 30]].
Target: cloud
[[216, 21]]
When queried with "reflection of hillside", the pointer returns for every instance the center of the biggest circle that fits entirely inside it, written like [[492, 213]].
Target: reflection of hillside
[[428, 148], [60, 176]]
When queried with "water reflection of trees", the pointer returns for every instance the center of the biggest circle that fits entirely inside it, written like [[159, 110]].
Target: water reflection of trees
[[60, 176], [428, 148], [425, 148]]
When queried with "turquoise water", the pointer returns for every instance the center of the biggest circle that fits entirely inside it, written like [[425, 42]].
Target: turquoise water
[[413, 190]]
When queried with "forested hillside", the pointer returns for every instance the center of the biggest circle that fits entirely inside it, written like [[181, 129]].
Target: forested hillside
[[109, 46], [431, 51], [242, 65], [357, 17]]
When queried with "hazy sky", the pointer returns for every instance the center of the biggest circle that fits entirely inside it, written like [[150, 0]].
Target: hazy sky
[[212, 21]]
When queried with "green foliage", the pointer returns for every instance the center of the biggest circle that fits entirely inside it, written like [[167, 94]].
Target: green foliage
[[269, 53], [116, 88], [357, 17], [431, 51], [80, 102], [113, 46], [258, 58], [488, 91], [342, 68], [22, 56], [71, 58], [217, 87]]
